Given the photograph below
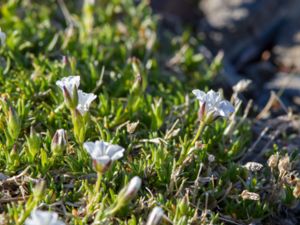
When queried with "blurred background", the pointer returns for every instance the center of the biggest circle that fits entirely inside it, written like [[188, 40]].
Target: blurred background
[[260, 40]]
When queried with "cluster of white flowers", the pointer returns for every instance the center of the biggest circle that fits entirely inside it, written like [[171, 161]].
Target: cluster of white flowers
[[104, 154], [75, 97]]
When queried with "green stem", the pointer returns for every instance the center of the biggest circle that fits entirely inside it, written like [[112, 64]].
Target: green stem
[[115, 209], [98, 182], [199, 132]]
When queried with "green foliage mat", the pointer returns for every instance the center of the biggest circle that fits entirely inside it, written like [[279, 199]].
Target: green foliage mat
[[143, 81]]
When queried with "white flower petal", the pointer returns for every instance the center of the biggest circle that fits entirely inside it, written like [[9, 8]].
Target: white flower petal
[[84, 101], [214, 104], [61, 136], [38, 217], [115, 152], [225, 108], [89, 147], [103, 152], [69, 83], [100, 147], [200, 95], [213, 97]]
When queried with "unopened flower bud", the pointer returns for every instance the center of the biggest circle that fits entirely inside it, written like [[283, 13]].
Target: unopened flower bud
[[137, 85], [39, 190], [33, 143], [130, 191], [71, 100], [13, 123], [133, 187], [156, 216], [59, 142], [126, 194]]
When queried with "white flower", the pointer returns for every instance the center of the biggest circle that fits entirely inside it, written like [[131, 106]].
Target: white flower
[[2, 37], [59, 141], [155, 216], [103, 154], [84, 101], [212, 104], [69, 83], [38, 217]]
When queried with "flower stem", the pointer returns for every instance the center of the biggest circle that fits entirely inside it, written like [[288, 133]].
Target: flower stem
[[199, 132], [98, 182], [115, 209]]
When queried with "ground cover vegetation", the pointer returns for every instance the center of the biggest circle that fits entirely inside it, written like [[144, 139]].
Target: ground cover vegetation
[[98, 125]]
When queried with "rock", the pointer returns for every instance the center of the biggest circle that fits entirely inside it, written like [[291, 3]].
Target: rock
[[186, 10], [287, 44], [245, 28], [236, 21]]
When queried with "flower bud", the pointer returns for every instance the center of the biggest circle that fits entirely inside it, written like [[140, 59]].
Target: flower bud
[[137, 85], [13, 123], [130, 191], [59, 142], [33, 143], [39, 190], [71, 100], [155, 216]]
